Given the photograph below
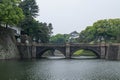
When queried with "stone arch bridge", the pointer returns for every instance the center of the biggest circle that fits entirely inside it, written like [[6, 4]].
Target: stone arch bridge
[[105, 51], [68, 49]]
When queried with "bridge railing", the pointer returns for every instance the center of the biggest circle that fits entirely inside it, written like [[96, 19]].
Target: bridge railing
[[84, 44], [64, 44], [48, 44]]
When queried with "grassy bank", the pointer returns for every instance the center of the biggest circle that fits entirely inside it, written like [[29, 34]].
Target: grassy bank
[[84, 53]]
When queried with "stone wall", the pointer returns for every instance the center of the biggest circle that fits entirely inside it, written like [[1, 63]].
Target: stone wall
[[118, 53], [27, 51], [113, 52], [8, 48]]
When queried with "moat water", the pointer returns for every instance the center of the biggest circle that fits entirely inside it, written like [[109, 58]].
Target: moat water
[[60, 69]]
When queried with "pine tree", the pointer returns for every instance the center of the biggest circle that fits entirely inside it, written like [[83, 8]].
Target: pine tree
[[30, 8]]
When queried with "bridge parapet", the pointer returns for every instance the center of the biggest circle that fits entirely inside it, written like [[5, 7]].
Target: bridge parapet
[[48, 44]]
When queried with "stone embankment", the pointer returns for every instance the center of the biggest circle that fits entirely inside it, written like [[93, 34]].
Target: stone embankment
[[8, 48]]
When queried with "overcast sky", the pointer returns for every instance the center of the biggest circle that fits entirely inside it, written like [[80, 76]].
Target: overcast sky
[[75, 15]]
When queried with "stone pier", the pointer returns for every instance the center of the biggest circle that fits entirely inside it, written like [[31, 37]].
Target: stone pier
[[103, 49], [68, 51]]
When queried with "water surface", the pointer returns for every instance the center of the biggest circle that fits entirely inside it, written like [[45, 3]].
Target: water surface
[[60, 69]]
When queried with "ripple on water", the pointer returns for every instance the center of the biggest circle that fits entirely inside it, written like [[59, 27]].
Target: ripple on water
[[60, 70]]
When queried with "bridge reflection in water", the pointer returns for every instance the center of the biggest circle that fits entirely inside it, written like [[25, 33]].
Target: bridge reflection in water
[[104, 51], [80, 54]]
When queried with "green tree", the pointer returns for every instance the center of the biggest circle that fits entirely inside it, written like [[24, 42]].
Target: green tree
[[107, 29], [30, 8], [59, 38], [36, 30], [10, 13], [44, 32], [114, 29]]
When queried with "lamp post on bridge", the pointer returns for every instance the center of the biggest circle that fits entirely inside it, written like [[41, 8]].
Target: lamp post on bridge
[[34, 40], [39, 41]]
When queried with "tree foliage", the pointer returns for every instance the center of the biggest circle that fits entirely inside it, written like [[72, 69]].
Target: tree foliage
[[30, 8], [59, 38], [30, 12], [44, 32], [107, 29], [65, 38], [39, 31], [10, 13]]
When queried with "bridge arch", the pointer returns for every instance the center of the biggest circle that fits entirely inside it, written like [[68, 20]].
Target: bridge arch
[[41, 51], [95, 51]]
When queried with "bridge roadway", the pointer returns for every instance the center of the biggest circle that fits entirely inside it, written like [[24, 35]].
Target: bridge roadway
[[104, 51]]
